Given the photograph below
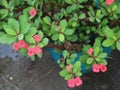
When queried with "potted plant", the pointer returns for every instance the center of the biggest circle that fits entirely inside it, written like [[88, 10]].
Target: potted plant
[[80, 34]]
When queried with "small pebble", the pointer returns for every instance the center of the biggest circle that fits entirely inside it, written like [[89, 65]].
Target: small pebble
[[11, 78]]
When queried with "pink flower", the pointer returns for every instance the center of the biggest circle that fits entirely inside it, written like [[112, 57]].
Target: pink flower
[[33, 12], [109, 2], [96, 68], [90, 51], [30, 51], [26, 45], [37, 50], [78, 81], [103, 68], [69, 67], [21, 44], [71, 83], [36, 38], [15, 46]]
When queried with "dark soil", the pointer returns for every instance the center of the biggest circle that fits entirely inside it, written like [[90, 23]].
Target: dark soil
[[16, 73]]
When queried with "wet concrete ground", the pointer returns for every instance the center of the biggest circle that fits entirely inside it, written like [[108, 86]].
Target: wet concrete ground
[[15, 73]]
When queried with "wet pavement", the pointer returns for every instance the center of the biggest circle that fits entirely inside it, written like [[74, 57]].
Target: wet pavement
[[16, 74]]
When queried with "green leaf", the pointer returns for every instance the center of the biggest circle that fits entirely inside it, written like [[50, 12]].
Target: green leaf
[[103, 62], [69, 1], [96, 51], [73, 56], [71, 8], [69, 32], [82, 16], [97, 42], [61, 37], [20, 36], [23, 19], [98, 13], [118, 45], [41, 45], [23, 51], [32, 32], [78, 74], [47, 20], [7, 39], [114, 7], [63, 73], [75, 69], [5, 4], [108, 32], [9, 30], [102, 55], [92, 19], [25, 26], [45, 41], [63, 23], [89, 60], [68, 76], [77, 64], [55, 36], [32, 58], [65, 53], [118, 34], [98, 20], [40, 33], [3, 13], [14, 23], [29, 39], [98, 59], [108, 42]]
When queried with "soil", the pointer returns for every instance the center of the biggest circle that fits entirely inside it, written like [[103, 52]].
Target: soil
[[16, 73]]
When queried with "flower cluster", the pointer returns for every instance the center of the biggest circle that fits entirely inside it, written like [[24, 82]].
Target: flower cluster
[[74, 82], [96, 68], [20, 44], [31, 50]]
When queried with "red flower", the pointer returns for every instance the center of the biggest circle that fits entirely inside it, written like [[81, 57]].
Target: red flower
[[26, 45], [71, 83], [103, 68], [37, 50], [21, 44], [109, 2], [78, 81], [36, 38], [15, 46], [30, 51], [90, 51], [33, 12], [96, 68]]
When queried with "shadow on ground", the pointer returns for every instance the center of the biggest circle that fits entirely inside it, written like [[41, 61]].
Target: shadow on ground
[[15, 73]]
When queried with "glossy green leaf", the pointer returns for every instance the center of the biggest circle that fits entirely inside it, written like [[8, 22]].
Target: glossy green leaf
[[7, 39], [89, 60], [108, 42], [68, 31], [63, 23], [63, 73], [118, 45], [47, 20], [61, 37], [9, 30]]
